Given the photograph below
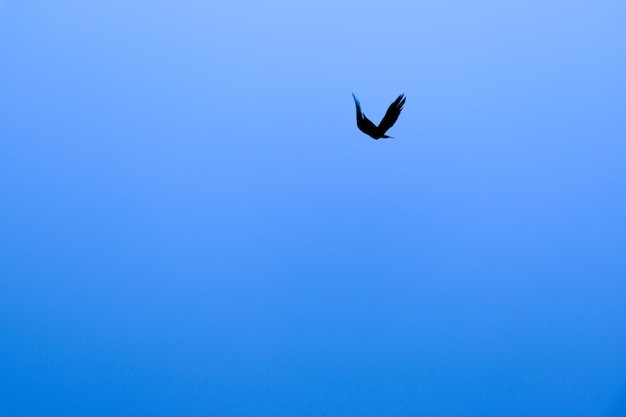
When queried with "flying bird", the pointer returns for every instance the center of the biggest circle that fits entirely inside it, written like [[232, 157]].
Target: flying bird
[[366, 126]]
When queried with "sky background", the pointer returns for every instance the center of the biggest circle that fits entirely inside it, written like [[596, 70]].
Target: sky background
[[191, 223]]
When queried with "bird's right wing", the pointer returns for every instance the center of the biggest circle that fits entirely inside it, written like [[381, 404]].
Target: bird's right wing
[[392, 114], [363, 123]]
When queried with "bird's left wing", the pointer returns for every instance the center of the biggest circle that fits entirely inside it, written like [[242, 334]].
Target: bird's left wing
[[392, 114]]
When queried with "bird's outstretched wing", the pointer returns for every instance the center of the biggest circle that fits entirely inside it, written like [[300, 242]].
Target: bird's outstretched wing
[[392, 114], [364, 124]]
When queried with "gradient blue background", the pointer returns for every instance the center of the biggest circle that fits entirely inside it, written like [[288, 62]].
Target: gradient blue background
[[192, 225]]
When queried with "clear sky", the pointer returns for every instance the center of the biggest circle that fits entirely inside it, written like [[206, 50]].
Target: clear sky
[[191, 223]]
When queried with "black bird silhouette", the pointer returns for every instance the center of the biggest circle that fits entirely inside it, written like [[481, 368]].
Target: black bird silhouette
[[366, 126]]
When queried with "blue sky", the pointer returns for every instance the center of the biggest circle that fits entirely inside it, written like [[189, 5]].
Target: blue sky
[[192, 225]]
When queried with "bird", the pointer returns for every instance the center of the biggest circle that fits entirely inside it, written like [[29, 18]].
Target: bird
[[366, 126]]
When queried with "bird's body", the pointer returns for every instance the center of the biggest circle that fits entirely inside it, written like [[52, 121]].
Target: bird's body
[[366, 126]]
